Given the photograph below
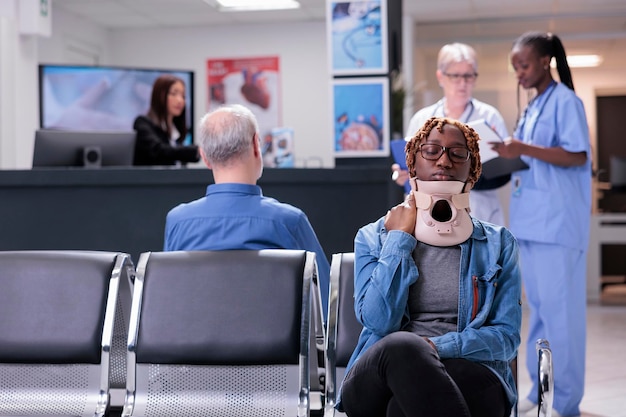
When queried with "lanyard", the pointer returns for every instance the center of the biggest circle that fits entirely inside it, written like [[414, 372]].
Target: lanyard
[[539, 102], [469, 115]]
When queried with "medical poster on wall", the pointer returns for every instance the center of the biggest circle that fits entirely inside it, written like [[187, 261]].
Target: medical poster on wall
[[361, 117], [277, 149], [357, 36], [253, 82]]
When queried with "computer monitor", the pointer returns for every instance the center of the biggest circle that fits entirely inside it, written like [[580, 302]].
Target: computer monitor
[[72, 148], [618, 173]]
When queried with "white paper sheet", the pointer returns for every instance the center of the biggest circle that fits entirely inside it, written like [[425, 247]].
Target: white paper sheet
[[487, 134]]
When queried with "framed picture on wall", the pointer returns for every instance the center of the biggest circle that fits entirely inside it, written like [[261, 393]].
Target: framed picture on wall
[[357, 37], [361, 117], [253, 82]]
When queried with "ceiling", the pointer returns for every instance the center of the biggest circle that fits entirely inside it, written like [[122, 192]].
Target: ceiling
[[176, 13], [168, 13], [597, 26]]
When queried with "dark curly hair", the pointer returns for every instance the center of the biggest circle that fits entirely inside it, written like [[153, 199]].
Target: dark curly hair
[[471, 137]]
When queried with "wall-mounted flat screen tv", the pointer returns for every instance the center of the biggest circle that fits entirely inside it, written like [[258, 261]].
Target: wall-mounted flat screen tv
[[97, 98]]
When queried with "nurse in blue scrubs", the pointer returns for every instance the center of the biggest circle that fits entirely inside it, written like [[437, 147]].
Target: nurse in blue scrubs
[[550, 213]]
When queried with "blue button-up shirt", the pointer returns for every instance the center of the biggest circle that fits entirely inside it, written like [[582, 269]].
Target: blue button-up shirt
[[238, 216]]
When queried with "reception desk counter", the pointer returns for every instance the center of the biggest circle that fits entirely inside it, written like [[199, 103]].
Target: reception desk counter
[[124, 209]]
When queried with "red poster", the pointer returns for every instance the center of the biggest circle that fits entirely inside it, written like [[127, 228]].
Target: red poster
[[252, 82]]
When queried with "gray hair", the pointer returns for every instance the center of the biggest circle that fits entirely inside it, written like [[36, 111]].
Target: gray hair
[[226, 132], [456, 52]]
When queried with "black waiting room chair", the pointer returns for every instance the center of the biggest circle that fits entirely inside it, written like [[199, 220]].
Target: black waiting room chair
[[343, 329], [221, 333], [57, 315]]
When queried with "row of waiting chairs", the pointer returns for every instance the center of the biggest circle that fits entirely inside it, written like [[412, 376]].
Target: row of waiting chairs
[[183, 333], [235, 333]]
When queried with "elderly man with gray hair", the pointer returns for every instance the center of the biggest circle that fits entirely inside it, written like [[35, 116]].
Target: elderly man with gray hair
[[234, 213]]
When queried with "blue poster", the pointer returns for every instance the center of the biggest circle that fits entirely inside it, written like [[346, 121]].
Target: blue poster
[[358, 37], [360, 117]]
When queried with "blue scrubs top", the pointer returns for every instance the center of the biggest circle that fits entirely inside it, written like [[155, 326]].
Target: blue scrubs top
[[549, 203]]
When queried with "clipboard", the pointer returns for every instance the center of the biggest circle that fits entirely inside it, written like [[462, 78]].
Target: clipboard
[[397, 151], [493, 165]]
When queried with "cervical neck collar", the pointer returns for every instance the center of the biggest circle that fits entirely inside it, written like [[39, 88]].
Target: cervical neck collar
[[442, 213]]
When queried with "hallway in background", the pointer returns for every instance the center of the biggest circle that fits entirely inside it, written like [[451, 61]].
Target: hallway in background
[[605, 382]]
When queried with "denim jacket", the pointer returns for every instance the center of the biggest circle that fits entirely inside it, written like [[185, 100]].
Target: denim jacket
[[490, 312]]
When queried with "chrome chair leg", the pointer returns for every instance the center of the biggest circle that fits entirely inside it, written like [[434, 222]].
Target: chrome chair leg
[[546, 378]]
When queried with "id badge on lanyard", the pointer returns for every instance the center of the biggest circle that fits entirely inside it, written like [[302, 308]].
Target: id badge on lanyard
[[516, 183]]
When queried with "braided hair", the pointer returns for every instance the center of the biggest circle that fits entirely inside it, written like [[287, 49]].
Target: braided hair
[[471, 137]]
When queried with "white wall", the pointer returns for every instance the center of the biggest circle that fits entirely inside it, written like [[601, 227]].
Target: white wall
[[18, 89], [301, 47], [74, 40]]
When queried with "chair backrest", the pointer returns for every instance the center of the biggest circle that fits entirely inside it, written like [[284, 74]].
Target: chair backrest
[[218, 333], [343, 329], [57, 313]]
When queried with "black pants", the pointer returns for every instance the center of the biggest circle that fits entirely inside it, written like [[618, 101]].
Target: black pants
[[402, 376]]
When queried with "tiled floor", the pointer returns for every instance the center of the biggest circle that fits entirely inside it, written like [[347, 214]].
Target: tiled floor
[[605, 391], [605, 382]]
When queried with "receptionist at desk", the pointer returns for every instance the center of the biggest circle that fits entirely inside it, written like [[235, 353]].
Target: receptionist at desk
[[161, 133]]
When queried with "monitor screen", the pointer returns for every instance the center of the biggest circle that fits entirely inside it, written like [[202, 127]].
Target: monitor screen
[[73, 148], [618, 173], [101, 98]]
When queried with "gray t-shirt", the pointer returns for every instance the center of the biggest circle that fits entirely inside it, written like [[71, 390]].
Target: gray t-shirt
[[434, 297]]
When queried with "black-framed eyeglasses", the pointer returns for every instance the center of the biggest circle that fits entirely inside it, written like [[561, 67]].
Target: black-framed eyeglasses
[[456, 78], [433, 152]]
